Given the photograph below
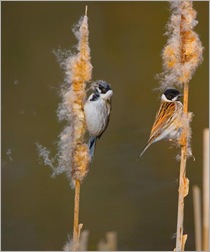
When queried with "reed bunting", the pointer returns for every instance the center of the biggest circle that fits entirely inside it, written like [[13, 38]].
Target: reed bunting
[[168, 122], [97, 112]]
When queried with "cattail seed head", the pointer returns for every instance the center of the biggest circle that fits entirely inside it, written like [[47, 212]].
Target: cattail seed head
[[181, 57], [73, 152], [183, 51], [80, 162]]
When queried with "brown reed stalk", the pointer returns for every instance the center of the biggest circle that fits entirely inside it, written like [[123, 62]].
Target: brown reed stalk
[[181, 56], [197, 217], [80, 68], [73, 151], [76, 230], [110, 243], [183, 180], [83, 243], [206, 190]]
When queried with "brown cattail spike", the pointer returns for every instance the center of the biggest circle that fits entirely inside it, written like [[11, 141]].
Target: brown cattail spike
[[181, 56]]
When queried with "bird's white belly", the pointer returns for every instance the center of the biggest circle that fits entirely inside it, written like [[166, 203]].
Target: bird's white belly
[[96, 113]]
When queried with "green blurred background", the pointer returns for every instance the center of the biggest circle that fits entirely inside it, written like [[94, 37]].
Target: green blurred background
[[138, 199]]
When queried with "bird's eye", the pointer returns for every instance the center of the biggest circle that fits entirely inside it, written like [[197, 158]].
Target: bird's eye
[[103, 90]]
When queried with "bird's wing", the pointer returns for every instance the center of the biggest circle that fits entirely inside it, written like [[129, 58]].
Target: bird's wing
[[164, 115], [109, 108], [163, 118]]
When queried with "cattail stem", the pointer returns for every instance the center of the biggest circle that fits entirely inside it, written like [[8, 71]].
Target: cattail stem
[[185, 98], [180, 215], [81, 70], [183, 181], [73, 151], [76, 231], [181, 56], [86, 9]]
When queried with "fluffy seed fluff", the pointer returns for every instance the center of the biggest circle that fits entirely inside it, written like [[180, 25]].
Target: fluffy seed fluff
[[73, 154], [69, 245], [181, 56], [185, 124], [183, 51]]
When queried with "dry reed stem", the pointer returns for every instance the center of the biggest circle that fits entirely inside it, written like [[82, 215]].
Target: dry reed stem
[[197, 217], [183, 180], [83, 243], [76, 230], [73, 153], [184, 239], [206, 190], [110, 244], [181, 56], [79, 73]]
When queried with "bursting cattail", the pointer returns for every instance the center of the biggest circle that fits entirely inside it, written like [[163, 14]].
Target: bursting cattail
[[183, 51], [73, 155], [73, 152], [181, 56]]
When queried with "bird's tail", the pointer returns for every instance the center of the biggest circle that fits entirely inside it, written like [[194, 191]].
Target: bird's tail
[[145, 148], [91, 145], [151, 140]]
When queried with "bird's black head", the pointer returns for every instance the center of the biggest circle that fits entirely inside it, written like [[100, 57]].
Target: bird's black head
[[102, 86], [172, 95], [102, 90]]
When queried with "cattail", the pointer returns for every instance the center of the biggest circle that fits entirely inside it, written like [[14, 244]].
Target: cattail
[[73, 152], [73, 156], [183, 51], [181, 56]]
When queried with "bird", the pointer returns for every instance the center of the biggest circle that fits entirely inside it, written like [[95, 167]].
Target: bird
[[97, 110], [168, 123]]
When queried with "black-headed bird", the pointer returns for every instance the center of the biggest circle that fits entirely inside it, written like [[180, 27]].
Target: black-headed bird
[[97, 112], [168, 122]]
